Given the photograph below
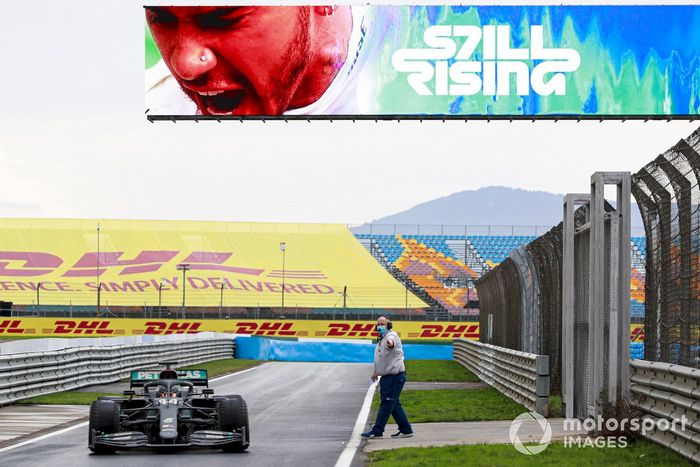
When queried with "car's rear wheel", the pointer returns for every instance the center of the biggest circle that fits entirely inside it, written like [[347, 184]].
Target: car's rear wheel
[[104, 418], [233, 415]]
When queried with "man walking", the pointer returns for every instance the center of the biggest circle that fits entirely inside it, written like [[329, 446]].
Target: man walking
[[389, 365]]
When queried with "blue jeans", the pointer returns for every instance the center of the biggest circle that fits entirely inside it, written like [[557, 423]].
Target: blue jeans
[[390, 387]]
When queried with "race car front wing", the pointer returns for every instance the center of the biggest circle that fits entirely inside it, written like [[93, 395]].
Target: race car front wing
[[201, 438]]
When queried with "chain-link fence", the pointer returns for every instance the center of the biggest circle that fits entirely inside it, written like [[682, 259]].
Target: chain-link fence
[[500, 303], [546, 252], [202, 300], [668, 195], [521, 299]]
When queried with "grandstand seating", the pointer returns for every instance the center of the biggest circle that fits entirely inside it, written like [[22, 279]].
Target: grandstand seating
[[640, 244], [136, 257], [441, 264], [637, 293], [637, 350], [494, 249], [428, 261], [231, 265]]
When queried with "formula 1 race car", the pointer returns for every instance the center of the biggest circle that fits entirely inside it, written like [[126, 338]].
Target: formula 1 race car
[[169, 412]]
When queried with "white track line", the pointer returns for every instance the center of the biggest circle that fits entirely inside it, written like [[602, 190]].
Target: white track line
[[348, 453], [237, 373], [80, 425], [42, 437]]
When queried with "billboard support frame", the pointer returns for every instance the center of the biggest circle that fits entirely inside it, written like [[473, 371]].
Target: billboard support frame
[[443, 118]]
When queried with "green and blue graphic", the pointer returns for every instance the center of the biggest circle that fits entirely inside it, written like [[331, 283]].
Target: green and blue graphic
[[636, 60], [522, 61]]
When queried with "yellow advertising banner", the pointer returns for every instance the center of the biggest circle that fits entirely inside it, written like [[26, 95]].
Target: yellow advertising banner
[[153, 263], [72, 327], [637, 333]]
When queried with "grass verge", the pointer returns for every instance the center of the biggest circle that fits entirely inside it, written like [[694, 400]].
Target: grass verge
[[638, 452], [555, 407], [438, 371], [66, 398], [456, 405], [215, 368]]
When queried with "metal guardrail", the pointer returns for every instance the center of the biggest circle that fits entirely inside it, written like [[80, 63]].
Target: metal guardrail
[[24, 375], [524, 377], [666, 391]]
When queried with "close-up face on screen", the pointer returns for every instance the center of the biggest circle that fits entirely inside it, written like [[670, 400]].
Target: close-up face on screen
[[354, 234]]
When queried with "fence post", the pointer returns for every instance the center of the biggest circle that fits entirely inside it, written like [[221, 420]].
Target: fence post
[[568, 288], [624, 207], [619, 247], [596, 293]]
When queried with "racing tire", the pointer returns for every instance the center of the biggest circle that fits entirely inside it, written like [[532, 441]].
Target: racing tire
[[104, 418], [233, 415]]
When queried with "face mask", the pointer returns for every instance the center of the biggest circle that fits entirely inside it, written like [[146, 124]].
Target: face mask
[[381, 330]]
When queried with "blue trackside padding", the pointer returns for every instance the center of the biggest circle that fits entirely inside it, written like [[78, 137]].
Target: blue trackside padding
[[262, 348], [427, 352]]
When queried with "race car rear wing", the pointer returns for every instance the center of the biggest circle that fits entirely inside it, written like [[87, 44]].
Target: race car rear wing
[[196, 377]]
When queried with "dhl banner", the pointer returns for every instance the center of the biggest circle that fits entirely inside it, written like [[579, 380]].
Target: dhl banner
[[637, 333], [70, 327], [156, 263]]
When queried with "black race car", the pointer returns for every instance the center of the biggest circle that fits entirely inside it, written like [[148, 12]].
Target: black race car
[[169, 412]]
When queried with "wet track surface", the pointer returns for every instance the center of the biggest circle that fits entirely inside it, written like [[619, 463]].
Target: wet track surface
[[301, 414]]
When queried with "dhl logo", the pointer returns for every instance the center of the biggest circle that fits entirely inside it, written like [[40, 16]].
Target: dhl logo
[[81, 327], [161, 327], [11, 326], [265, 329], [637, 334], [35, 263], [433, 331], [351, 330]]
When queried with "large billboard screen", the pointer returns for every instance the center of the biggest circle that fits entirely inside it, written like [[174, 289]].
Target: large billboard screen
[[420, 61]]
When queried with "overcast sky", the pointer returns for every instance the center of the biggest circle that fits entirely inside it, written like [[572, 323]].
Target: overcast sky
[[74, 141]]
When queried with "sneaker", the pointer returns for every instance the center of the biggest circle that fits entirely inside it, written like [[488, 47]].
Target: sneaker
[[371, 434], [402, 435]]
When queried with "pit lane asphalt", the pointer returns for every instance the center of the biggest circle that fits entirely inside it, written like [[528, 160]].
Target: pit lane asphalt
[[301, 414]]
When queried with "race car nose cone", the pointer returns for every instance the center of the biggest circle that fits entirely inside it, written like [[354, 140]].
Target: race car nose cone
[[168, 433]]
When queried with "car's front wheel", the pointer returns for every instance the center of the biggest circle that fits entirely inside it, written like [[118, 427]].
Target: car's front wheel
[[104, 418], [233, 415]]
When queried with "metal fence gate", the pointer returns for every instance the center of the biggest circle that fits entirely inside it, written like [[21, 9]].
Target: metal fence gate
[[562, 295], [595, 310]]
